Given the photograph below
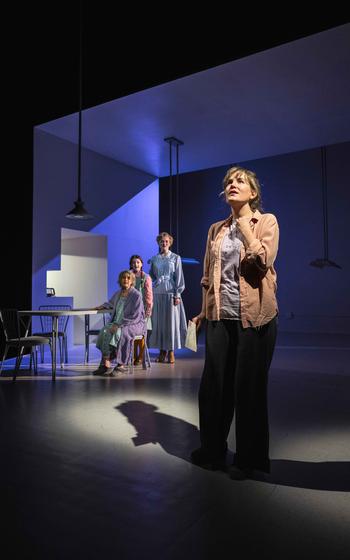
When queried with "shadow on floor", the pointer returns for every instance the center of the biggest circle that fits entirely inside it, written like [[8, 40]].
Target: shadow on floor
[[178, 437]]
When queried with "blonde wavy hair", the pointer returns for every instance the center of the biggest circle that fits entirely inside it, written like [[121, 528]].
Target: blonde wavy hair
[[126, 273], [165, 234], [251, 177]]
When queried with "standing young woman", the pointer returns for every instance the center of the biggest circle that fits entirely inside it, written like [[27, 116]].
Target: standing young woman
[[239, 303], [169, 326], [143, 283]]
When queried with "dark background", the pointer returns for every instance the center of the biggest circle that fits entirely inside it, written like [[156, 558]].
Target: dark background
[[123, 51]]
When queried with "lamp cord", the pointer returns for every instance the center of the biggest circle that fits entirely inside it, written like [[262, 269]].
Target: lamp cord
[[324, 201], [80, 95]]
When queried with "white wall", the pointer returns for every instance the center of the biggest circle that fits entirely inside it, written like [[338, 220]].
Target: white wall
[[83, 275]]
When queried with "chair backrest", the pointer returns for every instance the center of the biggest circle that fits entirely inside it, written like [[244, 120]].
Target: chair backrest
[[46, 322], [97, 326], [10, 323]]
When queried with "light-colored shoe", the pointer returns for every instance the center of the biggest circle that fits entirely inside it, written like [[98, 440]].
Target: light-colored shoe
[[171, 357]]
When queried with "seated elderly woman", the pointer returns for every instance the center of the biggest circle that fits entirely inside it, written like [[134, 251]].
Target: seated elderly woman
[[127, 321]]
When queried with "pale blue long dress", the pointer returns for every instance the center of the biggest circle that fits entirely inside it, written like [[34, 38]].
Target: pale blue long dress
[[169, 325]]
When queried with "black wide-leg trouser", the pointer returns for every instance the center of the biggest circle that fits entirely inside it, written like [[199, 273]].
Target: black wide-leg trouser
[[234, 381]]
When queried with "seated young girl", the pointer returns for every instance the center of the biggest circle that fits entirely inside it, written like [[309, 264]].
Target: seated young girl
[[127, 321]]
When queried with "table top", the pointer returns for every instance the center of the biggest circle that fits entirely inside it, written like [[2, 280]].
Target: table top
[[60, 312]]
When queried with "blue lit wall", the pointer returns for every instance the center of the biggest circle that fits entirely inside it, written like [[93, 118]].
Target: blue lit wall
[[131, 229]]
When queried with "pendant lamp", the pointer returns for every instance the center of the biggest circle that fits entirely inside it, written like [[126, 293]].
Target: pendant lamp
[[325, 261], [79, 212]]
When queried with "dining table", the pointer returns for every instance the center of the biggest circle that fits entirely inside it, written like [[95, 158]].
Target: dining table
[[55, 314]]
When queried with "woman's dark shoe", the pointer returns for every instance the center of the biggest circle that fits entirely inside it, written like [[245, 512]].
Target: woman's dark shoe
[[236, 473], [202, 459], [161, 357], [100, 370], [109, 372]]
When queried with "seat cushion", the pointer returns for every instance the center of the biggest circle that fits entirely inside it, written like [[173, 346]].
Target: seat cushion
[[48, 334], [29, 341]]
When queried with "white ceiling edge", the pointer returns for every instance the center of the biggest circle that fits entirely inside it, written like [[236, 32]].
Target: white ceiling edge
[[289, 98]]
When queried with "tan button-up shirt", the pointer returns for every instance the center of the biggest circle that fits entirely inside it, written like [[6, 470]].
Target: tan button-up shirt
[[257, 279]]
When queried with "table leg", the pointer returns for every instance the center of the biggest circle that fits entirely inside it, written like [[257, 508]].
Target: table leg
[[87, 328], [54, 345]]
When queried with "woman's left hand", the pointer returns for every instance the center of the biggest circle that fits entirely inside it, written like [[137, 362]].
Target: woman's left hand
[[176, 300], [114, 328]]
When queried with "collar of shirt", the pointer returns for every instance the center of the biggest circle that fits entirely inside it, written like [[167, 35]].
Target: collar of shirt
[[254, 219], [169, 253]]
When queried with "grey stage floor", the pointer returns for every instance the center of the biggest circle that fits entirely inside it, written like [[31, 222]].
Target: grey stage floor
[[98, 468]]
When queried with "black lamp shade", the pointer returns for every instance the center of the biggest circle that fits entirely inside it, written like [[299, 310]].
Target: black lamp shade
[[322, 263], [79, 212]]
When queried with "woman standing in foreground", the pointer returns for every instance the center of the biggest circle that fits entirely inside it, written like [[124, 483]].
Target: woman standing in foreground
[[239, 303]]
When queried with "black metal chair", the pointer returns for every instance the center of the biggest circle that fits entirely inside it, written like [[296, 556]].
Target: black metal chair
[[46, 330], [10, 321], [91, 332]]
